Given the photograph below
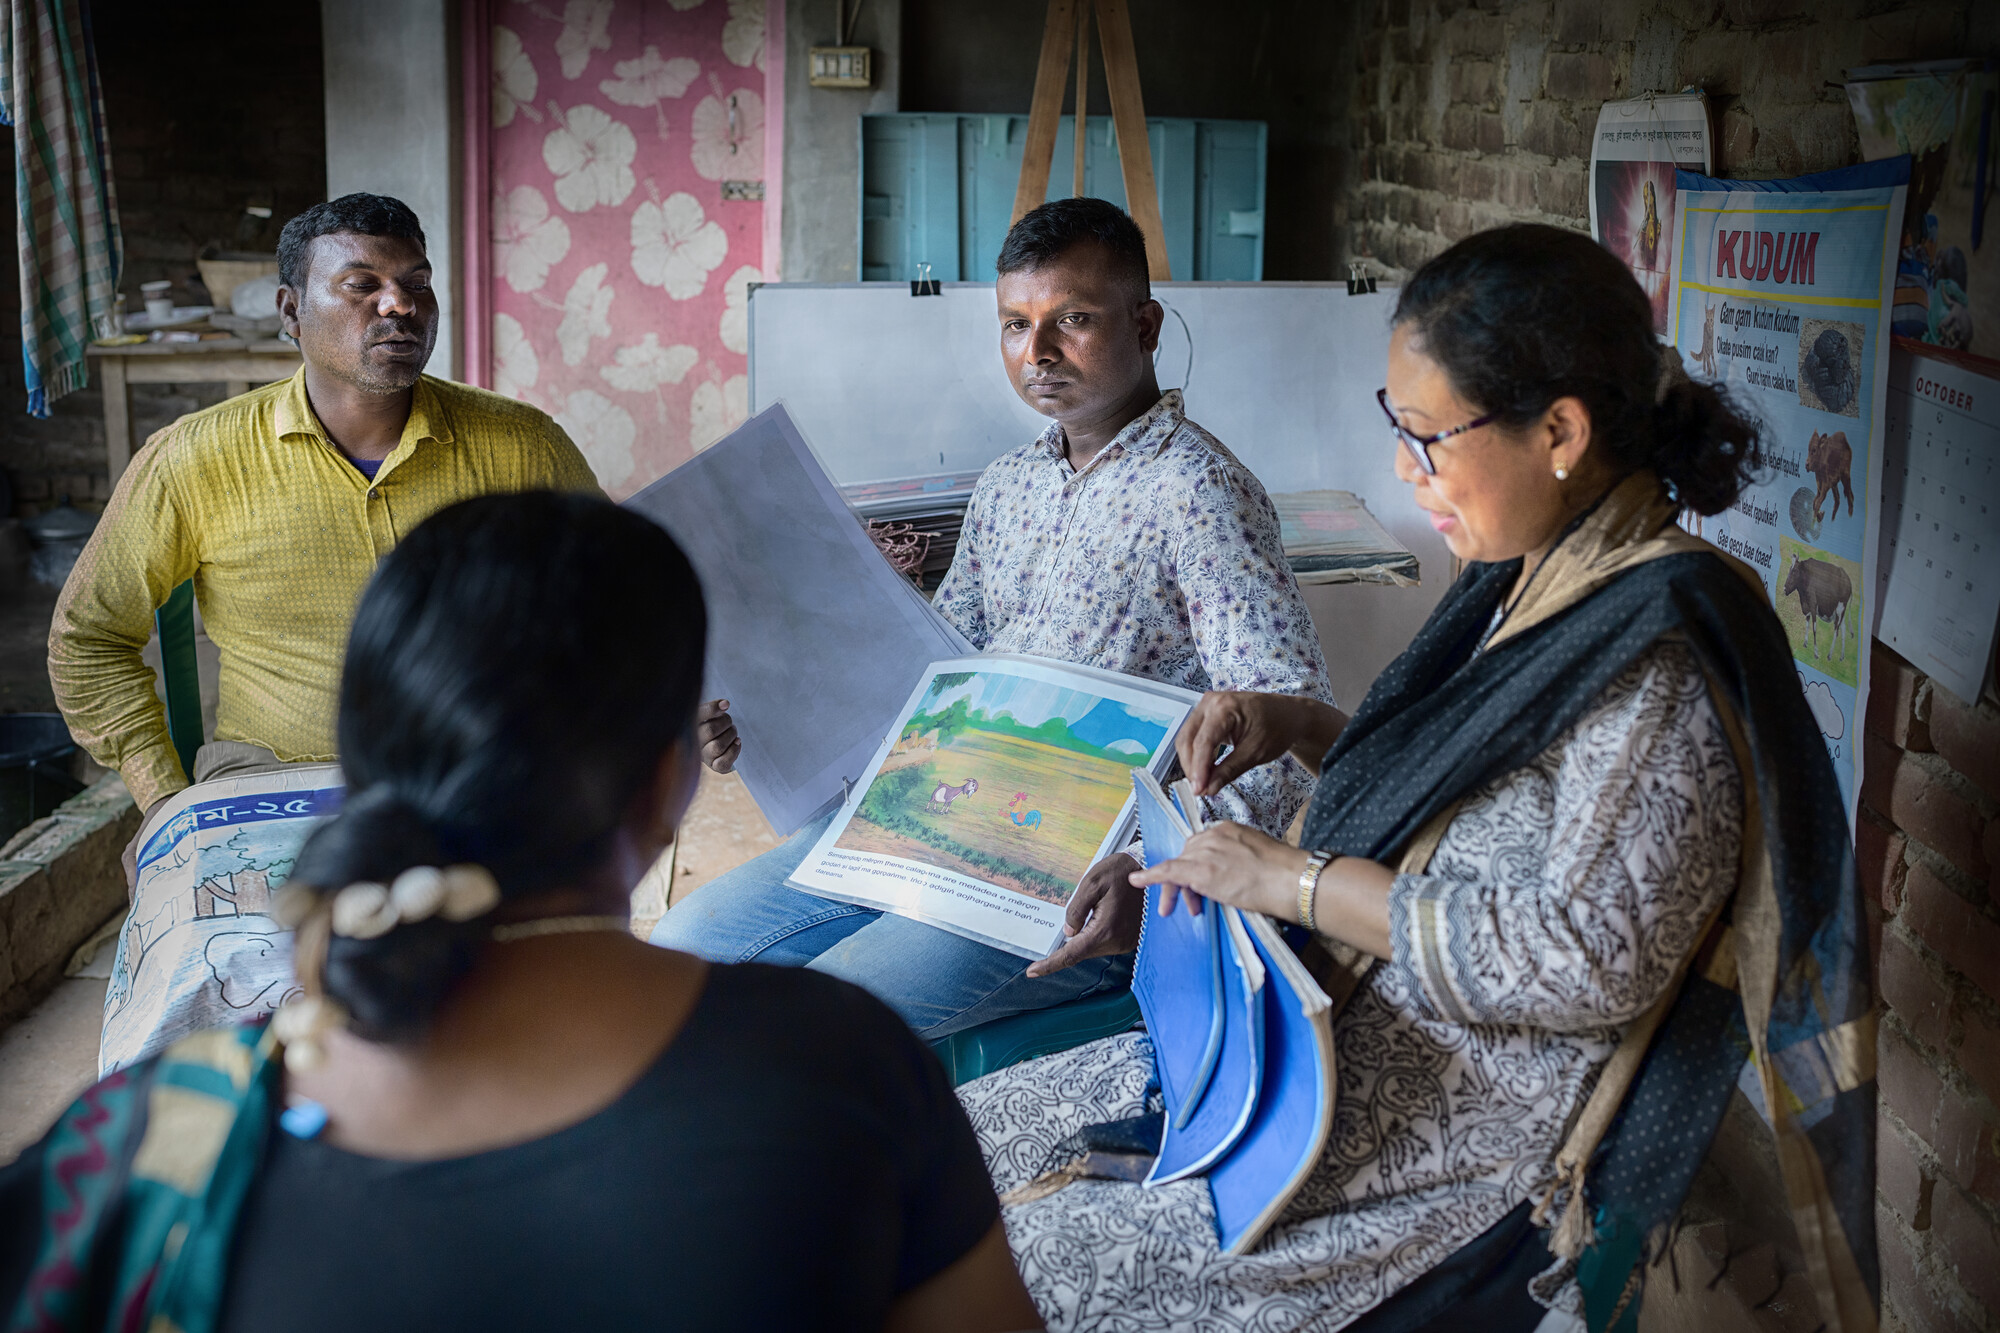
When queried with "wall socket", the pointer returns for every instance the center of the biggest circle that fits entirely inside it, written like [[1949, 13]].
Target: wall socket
[[840, 67]]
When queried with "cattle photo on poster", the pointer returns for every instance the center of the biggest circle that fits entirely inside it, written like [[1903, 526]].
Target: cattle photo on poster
[[1819, 604], [942, 794]]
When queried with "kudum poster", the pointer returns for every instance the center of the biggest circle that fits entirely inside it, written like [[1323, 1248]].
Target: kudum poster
[[1780, 293]]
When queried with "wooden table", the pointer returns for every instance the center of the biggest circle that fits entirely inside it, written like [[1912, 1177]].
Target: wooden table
[[234, 363]]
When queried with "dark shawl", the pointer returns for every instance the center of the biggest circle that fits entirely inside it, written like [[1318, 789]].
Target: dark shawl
[[1444, 718]]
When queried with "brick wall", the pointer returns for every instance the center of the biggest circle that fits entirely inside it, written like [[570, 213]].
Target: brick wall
[[211, 105], [1465, 116], [1929, 849]]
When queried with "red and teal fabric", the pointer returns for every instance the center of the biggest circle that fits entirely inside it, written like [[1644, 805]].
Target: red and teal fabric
[[143, 1179]]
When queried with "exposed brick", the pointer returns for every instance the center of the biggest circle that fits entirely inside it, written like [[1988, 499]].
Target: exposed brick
[[1967, 1242], [1909, 989], [1908, 1295], [1691, 14], [1579, 77], [1460, 129], [1561, 191], [1920, 803], [1965, 1143], [1575, 23], [1900, 1179], [1878, 860], [1473, 81], [1476, 180], [1953, 928], [1968, 738], [1748, 13], [1817, 138], [1491, 134], [1517, 192], [1471, 33], [1908, 1085], [1896, 698], [1548, 130], [1979, 1051]]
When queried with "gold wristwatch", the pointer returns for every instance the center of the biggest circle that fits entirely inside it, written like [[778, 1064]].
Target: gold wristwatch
[[1316, 863]]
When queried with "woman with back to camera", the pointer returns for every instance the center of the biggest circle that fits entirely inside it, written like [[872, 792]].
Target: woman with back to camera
[[1588, 798], [504, 1111]]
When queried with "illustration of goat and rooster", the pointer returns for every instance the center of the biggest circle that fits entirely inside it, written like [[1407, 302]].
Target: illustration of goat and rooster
[[945, 793]]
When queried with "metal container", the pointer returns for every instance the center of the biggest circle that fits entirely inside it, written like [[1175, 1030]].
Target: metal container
[[36, 757], [58, 537]]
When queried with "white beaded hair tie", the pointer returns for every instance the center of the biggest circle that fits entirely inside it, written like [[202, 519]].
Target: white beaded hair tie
[[366, 911], [457, 893]]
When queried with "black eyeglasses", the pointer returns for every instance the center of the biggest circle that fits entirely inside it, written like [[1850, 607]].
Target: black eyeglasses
[[1420, 445]]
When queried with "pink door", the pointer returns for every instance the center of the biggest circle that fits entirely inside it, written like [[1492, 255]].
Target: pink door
[[615, 182]]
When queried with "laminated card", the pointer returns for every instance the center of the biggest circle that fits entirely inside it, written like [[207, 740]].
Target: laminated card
[[812, 637], [1001, 782]]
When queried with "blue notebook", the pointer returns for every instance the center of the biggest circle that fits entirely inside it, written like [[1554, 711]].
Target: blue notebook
[[1198, 982], [1252, 1184], [1241, 1038]]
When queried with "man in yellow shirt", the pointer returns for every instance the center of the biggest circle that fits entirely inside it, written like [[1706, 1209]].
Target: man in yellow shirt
[[279, 503]]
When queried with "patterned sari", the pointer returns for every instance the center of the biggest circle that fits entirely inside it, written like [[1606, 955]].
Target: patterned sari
[[1459, 1066], [142, 1182]]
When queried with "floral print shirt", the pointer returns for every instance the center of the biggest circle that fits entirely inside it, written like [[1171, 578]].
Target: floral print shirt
[[1160, 558]]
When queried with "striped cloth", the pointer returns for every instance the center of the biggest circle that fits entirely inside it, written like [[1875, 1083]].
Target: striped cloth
[[71, 251]]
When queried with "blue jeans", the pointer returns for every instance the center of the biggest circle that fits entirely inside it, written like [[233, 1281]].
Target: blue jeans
[[939, 982]]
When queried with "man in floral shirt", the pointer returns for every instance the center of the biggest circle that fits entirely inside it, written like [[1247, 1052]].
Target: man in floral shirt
[[1127, 538]]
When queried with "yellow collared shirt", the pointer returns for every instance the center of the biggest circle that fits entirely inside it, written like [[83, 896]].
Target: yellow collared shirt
[[280, 532]]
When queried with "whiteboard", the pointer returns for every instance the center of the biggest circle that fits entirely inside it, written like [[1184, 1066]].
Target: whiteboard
[[884, 384]]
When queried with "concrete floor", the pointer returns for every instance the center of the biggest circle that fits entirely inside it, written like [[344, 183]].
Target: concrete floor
[[50, 1056], [46, 1059]]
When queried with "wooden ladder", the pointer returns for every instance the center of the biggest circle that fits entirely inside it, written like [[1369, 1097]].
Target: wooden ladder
[[1068, 26]]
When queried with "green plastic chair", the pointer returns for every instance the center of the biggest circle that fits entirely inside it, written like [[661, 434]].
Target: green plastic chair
[[1008, 1041], [174, 623]]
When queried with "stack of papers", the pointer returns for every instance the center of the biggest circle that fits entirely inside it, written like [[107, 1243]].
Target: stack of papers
[[1330, 537]]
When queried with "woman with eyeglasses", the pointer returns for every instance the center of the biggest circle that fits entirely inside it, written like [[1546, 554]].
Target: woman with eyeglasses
[[1581, 841]]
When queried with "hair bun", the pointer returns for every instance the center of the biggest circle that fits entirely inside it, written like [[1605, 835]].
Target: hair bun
[[1705, 449]]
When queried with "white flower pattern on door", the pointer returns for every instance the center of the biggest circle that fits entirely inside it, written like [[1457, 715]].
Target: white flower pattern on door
[[613, 123], [590, 155], [527, 240], [675, 246]]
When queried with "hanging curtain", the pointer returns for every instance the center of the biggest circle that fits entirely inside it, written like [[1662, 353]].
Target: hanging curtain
[[71, 251]]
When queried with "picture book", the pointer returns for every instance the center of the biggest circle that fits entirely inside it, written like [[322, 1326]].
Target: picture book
[[1003, 780]]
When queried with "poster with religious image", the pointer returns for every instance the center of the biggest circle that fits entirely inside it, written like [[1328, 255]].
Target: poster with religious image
[[1637, 146], [1781, 296]]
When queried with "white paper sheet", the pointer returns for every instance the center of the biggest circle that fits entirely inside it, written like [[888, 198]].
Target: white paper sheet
[[1005, 779], [1940, 566], [812, 637]]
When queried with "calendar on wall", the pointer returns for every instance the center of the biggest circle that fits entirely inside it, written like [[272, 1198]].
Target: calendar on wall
[[1938, 582]]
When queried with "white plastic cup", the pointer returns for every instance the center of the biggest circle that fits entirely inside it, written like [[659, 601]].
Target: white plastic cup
[[159, 300]]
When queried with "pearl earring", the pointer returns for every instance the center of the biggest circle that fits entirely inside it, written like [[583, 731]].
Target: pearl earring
[[1562, 474]]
